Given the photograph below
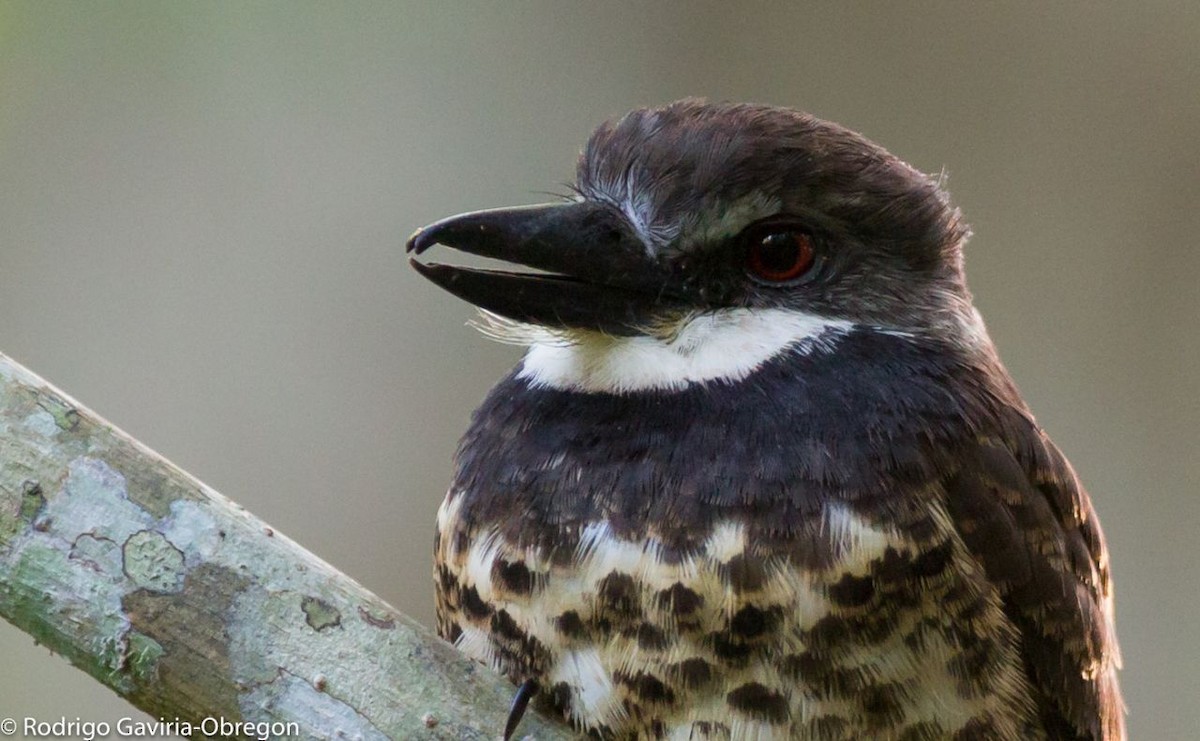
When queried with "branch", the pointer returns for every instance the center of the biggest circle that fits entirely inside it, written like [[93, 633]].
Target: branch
[[191, 608]]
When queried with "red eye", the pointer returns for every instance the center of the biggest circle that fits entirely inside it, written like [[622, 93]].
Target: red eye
[[779, 256]]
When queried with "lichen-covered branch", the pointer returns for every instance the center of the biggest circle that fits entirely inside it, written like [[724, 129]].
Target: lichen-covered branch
[[192, 608]]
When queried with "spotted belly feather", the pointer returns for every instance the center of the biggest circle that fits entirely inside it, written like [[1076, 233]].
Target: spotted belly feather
[[862, 630]]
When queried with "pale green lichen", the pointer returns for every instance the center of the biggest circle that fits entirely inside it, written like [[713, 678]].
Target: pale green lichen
[[153, 562], [71, 548], [94, 500], [192, 522], [100, 554], [319, 614], [74, 612], [113, 529], [155, 488], [66, 417], [264, 639], [32, 499], [292, 698], [10, 525], [141, 656], [42, 423]]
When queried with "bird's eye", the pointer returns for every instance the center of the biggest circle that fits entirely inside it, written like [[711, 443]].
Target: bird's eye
[[779, 255]]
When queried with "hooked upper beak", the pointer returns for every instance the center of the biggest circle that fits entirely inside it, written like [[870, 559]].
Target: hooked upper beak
[[599, 275]]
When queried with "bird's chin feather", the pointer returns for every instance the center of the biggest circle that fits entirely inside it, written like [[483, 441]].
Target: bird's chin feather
[[508, 331], [526, 334], [523, 334]]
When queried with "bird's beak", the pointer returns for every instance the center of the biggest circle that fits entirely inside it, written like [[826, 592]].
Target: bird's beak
[[598, 275]]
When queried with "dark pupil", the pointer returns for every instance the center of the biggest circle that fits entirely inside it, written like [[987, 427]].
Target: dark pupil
[[777, 252]]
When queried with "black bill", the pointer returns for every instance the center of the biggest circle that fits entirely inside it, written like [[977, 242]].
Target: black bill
[[598, 274]]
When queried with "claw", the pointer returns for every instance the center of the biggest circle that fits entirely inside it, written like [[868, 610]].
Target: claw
[[520, 701]]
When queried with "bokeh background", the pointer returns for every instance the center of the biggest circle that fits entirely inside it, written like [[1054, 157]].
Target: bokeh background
[[202, 209]]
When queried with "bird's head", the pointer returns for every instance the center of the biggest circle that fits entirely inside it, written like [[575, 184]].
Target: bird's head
[[706, 231]]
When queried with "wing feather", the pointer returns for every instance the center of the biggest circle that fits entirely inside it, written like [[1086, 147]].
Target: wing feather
[[1024, 515]]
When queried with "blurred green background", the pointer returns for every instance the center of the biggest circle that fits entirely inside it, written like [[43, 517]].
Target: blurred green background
[[202, 209]]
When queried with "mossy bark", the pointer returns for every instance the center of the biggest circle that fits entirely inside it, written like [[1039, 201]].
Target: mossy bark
[[190, 607]]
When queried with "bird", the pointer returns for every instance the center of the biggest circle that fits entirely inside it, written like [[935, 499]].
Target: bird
[[760, 473]]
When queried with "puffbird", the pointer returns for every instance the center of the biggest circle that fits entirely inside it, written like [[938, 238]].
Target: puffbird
[[761, 473]]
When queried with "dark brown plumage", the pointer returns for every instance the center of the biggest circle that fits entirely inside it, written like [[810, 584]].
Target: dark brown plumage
[[747, 508]]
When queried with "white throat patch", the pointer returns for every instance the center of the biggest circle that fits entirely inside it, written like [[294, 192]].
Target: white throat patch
[[725, 345]]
